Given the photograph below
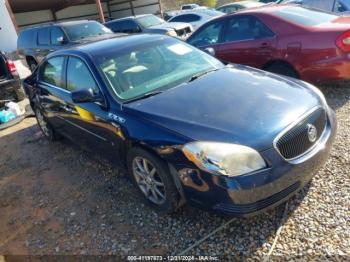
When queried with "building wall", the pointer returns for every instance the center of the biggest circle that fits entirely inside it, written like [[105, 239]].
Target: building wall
[[8, 35], [118, 10]]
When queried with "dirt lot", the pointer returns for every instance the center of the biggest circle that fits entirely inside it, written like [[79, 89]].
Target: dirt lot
[[58, 199]]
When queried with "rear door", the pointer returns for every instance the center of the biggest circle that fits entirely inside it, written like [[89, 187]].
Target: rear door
[[247, 40], [43, 44], [51, 92]]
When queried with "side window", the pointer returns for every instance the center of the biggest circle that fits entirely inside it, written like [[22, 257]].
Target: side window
[[44, 36], [186, 18], [115, 27], [246, 28], [52, 71], [130, 26], [230, 9], [208, 36], [340, 7], [79, 76], [57, 36]]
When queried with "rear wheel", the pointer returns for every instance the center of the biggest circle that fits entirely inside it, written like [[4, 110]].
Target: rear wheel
[[45, 127], [282, 69], [153, 180]]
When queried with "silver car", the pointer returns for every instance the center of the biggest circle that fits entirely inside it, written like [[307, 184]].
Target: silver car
[[337, 6], [196, 17]]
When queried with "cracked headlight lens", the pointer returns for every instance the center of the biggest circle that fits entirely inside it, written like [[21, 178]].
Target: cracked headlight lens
[[224, 159]]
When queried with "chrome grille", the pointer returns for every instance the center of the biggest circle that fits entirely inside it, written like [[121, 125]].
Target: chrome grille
[[296, 141]]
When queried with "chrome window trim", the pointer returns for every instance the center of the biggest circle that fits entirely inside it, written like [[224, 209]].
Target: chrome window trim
[[294, 124]]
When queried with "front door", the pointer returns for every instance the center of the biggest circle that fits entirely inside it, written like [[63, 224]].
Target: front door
[[246, 40], [88, 123], [208, 36]]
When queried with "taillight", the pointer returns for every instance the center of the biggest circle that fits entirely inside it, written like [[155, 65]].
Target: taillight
[[343, 41], [12, 67]]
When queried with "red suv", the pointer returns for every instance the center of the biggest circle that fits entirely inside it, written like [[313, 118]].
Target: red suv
[[290, 40]]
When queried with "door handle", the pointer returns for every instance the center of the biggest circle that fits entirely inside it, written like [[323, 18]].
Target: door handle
[[68, 109]]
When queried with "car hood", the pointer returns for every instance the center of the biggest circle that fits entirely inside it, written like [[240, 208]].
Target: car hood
[[236, 104], [171, 25]]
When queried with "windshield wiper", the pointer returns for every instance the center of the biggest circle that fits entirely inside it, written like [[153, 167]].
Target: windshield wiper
[[143, 96], [199, 75]]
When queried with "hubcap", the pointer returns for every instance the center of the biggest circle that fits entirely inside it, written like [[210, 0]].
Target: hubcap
[[42, 123], [148, 180]]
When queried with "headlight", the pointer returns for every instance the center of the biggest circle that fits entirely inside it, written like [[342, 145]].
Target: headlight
[[318, 92], [171, 33], [222, 158]]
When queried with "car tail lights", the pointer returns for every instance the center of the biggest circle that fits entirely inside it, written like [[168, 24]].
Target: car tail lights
[[12, 67], [343, 41]]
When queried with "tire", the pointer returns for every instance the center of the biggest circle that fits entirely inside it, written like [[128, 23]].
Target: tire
[[166, 204], [282, 69], [32, 64], [47, 130]]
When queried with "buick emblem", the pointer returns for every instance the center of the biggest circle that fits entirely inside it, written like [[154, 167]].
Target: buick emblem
[[311, 132]]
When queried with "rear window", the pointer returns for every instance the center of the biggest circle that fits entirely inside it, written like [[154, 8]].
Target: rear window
[[304, 16]]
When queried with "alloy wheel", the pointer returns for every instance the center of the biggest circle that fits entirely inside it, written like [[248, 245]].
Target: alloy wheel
[[148, 180]]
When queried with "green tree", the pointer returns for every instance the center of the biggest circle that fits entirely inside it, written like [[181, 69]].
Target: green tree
[[210, 3]]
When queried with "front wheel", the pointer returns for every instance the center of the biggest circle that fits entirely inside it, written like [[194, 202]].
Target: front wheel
[[45, 127], [153, 179], [282, 69]]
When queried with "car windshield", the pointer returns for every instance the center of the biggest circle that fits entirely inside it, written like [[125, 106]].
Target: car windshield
[[304, 16], [149, 21], [85, 30], [153, 67]]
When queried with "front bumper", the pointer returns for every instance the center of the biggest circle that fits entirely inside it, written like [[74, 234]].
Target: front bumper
[[254, 193]]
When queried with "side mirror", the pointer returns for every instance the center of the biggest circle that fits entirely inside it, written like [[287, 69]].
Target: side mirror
[[61, 40], [210, 51], [85, 96]]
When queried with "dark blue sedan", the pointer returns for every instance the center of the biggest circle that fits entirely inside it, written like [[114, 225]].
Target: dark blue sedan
[[185, 126]]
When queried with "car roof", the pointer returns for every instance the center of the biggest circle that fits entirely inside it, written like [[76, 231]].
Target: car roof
[[242, 3], [118, 41], [267, 9], [63, 23], [125, 18]]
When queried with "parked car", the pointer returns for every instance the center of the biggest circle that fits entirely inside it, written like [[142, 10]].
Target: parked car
[[10, 84], [170, 14], [237, 6], [197, 17], [37, 42], [232, 139], [190, 7], [337, 6], [149, 24], [290, 40]]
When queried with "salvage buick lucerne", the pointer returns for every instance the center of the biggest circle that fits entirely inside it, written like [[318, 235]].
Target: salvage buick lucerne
[[186, 127]]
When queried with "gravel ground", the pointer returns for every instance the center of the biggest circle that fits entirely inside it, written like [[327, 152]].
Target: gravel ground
[[58, 199]]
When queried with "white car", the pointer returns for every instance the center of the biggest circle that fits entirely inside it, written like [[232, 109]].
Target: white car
[[196, 17], [189, 6]]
